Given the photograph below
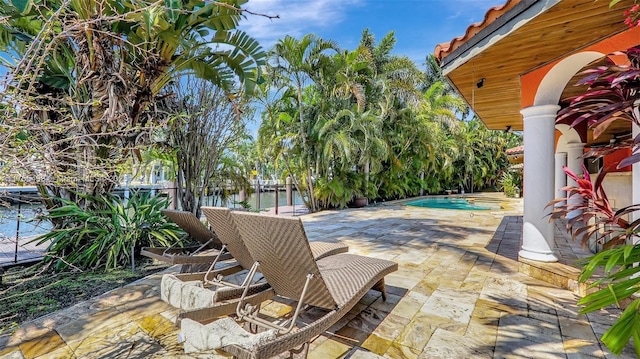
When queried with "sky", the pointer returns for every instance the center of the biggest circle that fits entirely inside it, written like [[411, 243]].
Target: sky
[[419, 25]]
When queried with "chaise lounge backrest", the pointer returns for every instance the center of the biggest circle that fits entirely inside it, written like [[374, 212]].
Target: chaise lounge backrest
[[221, 221], [192, 225], [281, 247]]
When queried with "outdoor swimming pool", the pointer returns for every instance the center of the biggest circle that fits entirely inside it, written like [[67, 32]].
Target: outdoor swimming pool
[[450, 203]]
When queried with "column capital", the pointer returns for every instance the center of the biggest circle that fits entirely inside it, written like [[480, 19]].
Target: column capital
[[541, 110], [575, 145]]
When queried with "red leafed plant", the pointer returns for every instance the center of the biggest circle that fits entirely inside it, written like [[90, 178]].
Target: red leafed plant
[[613, 94], [596, 216], [613, 89], [631, 15]]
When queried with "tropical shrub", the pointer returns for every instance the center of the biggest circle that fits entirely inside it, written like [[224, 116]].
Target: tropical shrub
[[338, 191], [104, 234], [600, 222], [511, 182], [613, 94]]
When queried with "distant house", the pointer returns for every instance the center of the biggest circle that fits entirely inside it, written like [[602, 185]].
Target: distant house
[[515, 67], [515, 155]]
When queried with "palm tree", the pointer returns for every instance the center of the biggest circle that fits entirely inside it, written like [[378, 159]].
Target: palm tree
[[278, 131], [86, 81], [297, 60], [397, 75], [355, 72], [390, 88], [434, 74], [435, 119], [354, 138], [438, 106], [481, 155]]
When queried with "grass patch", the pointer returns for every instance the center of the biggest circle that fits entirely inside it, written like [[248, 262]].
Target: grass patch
[[30, 292]]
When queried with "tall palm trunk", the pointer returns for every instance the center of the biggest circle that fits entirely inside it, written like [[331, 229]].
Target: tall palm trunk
[[313, 206]]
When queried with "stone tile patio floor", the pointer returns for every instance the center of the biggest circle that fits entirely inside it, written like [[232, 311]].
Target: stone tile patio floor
[[457, 294]]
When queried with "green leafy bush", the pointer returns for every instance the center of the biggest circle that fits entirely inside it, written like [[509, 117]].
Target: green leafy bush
[[104, 234], [341, 189], [334, 193], [511, 183]]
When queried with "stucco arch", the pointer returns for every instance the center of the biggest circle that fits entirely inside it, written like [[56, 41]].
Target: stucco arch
[[556, 79], [568, 136]]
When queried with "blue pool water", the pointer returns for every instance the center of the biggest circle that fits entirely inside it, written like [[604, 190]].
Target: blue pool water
[[447, 203]]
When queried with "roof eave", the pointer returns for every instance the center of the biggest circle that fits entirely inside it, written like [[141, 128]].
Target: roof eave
[[509, 22]]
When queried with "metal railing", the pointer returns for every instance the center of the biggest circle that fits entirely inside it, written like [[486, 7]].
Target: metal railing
[[19, 206], [262, 198], [18, 227]]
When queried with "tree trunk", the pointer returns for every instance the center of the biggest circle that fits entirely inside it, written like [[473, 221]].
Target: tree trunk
[[366, 179], [313, 206], [310, 189]]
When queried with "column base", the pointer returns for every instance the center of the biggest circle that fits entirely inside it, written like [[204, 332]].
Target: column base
[[535, 246], [535, 256]]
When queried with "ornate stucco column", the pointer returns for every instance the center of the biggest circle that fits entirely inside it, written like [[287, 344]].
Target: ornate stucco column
[[575, 151], [561, 177], [539, 163]]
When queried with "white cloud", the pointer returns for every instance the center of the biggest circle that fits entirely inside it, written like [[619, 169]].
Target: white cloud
[[455, 15], [297, 17]]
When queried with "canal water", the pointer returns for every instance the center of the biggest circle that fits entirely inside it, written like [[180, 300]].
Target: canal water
[[30, 227], [267, 200]]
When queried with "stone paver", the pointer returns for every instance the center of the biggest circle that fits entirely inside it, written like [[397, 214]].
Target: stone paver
[[457, 294]]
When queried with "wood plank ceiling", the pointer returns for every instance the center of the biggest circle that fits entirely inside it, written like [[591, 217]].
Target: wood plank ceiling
[[561, 30]]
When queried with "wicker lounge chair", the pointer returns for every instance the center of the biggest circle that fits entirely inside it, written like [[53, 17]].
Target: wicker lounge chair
[[333, 285], [220, 218], [192, 257], [223, 300]]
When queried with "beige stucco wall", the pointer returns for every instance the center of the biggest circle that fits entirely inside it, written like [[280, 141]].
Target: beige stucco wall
[[617, 186]]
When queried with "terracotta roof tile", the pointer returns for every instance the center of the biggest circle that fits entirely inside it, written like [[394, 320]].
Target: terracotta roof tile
[[515, 151], [444, 49]]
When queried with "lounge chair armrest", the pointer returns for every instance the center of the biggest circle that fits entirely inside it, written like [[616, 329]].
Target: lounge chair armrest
[[217, 278], [223, 309], [248, 312], [206, 276]]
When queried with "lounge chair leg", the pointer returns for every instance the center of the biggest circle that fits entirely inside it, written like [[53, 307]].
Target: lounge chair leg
[[247, 313], [304, 349], [380, 287]]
